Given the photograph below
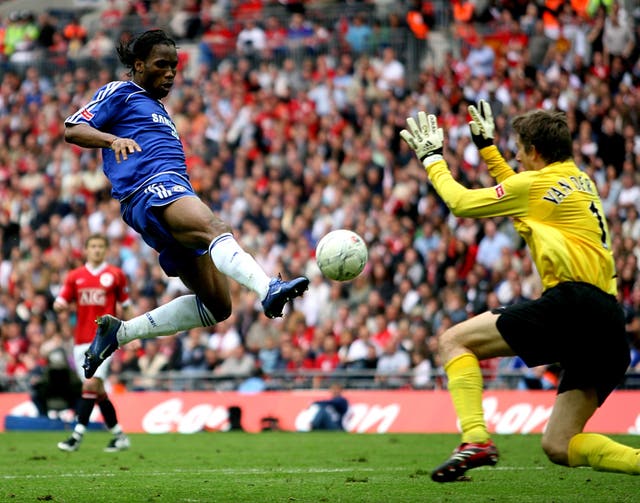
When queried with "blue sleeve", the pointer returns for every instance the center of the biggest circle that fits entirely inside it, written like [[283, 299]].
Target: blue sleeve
[[104, 108]]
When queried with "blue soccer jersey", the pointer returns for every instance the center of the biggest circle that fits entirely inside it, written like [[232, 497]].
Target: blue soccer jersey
[[125, 110]]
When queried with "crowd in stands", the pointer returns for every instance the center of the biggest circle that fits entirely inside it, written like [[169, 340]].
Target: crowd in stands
[[290, 122]]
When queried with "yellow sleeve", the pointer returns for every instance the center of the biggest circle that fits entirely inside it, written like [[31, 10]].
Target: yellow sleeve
[[497, 166], [509, 198], [556, 210]]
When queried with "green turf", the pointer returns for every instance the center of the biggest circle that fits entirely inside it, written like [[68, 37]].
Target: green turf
[[290, 467]]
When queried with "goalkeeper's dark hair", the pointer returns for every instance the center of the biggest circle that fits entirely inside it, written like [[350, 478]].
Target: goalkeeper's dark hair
[[140, 47], [548, 132]]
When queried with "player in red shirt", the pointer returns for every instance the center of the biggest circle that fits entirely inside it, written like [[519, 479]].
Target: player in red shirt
[[95, 288]]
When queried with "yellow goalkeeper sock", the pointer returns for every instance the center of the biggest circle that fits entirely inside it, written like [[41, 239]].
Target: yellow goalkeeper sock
[[603, 454], [465, 388]]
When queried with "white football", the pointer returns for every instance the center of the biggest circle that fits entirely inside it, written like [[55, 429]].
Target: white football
[[341, 255]]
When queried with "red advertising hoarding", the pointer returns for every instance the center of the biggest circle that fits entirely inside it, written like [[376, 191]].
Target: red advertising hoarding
[[370, 411]]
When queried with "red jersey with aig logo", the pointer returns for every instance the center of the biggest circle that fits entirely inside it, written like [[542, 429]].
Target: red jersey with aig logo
[[95, 292]]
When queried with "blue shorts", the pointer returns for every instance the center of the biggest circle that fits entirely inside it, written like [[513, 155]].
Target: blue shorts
[[138, 212]]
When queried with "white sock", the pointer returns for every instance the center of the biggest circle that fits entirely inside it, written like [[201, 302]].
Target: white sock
[[78, 431], [116, 430], [236, 263], [182, 313]]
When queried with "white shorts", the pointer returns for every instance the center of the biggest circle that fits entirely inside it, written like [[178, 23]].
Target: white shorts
[[78, 357]]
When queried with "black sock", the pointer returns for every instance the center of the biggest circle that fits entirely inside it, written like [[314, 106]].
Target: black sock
[[85, 406], [108, 412]]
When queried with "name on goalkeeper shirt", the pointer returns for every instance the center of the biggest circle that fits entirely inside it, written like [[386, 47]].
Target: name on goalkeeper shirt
[[565, 187]]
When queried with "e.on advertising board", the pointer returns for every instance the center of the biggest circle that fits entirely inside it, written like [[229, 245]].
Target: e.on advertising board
[[408, 411]]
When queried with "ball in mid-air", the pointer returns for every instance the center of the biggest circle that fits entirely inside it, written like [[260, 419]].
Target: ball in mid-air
[[341, 255]]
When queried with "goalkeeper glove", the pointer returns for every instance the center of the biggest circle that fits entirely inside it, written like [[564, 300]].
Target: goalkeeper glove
[[481, 124], [426, 140]]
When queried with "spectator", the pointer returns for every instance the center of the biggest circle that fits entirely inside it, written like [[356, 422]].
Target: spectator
[[629, 193], [539, 45], [611, 145], [329, 414], [21, 39], [300, 36], [193, 344], [327, 360], [217, 43], [269, 355], [631, 224], [152, 363], [251, 40], [55, 386], [300, 333], [611, 188], [358, 34], [617, 36], [258, 332], [393, 366], [239, 363], [463, 15], [76, 35], [475, 291], [296, 359], [47, 26], [491, 245], [481, 58], [225, 337], [391, 72], [530, 279], [111, 17], [361, 354], [421, 369], [315, 298], [276, 38], [98, 50]]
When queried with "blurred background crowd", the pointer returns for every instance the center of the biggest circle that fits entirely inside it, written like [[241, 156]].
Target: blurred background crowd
[[289, 113]]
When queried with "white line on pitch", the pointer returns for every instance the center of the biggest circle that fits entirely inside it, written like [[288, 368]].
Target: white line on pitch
[[252, 471]]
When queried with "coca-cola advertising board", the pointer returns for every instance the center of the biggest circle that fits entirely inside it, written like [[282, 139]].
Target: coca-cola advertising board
[[370, 411]]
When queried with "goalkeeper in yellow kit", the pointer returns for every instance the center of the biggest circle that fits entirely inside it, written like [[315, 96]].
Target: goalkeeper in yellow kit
[[577, 321]]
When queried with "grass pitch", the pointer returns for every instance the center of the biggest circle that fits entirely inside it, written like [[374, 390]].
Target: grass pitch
[[290, 467]]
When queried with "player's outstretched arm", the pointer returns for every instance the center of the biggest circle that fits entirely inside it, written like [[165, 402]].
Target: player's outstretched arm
[[427, 139], [85, 135]]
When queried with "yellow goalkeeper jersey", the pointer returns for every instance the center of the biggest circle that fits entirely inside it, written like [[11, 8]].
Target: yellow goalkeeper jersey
[[557, 211]]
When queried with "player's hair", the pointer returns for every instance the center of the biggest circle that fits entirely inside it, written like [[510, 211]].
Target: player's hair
[[140, 47], [548, 132], [99, 236]]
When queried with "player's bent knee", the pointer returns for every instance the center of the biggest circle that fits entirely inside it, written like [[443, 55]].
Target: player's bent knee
[[220, 310], [556, 453], [217, 226], [447, 342], [93, 385]]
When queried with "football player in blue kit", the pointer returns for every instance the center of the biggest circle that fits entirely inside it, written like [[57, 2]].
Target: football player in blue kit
[[144, 160]]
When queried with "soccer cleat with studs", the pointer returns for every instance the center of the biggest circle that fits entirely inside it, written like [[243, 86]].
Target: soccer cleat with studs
[[465, 457], [103, 345], [280, 292]]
